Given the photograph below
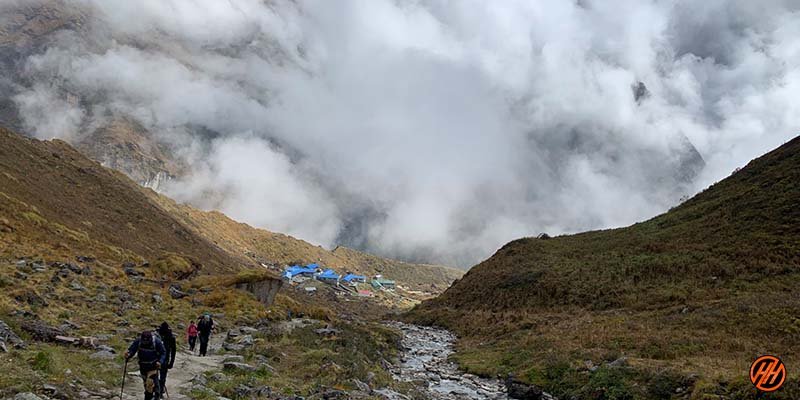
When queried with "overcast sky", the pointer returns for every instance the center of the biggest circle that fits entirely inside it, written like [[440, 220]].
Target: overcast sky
[[431, 130]]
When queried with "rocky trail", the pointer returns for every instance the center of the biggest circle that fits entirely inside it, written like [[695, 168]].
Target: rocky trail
[[425, 360], [181, 377]]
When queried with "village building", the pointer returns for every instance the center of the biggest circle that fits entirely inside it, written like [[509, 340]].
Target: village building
[[329, 276], [382, 283]]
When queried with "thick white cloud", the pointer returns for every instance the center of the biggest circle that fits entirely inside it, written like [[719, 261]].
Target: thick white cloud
[[430, 129]]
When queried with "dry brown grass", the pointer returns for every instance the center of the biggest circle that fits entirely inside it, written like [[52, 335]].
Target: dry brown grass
[[264, 246]]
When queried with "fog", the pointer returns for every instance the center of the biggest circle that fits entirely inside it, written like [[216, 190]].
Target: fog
[[429, 130]]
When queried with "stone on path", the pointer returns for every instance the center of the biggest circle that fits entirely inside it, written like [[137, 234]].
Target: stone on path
[[237, 366]]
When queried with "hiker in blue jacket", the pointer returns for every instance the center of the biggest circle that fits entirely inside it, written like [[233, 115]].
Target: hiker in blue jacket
[[152, 355]]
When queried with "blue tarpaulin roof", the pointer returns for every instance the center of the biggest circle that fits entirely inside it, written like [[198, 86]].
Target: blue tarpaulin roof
[[351, 277], [295, 270], [328, 274]]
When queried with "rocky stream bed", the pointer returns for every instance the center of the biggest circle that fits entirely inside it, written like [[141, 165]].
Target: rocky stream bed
[[425, 361]]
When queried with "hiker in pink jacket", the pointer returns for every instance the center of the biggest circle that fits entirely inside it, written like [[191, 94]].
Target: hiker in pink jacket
[[191, 335]]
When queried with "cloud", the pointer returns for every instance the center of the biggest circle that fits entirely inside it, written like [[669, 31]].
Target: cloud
[[47, 114], [432, 130]]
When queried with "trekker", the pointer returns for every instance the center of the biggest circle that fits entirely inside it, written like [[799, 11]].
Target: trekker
[[170, 347], [204, 327], [151, 357], [191, 335]]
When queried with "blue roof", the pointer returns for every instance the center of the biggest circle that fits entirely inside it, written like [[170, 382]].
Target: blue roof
[[350, 277], [328, 274], [295, 270]]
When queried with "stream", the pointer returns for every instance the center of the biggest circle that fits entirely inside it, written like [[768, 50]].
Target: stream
[[424, 360]]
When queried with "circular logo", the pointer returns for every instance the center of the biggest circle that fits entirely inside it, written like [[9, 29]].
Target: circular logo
[[767, 373]]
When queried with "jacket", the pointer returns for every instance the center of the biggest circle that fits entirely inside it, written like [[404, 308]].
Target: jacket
[[148, 356], [205, 327], [191, 331], [170, 345]]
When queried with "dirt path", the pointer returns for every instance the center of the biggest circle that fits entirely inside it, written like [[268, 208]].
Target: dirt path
[[187, 365]]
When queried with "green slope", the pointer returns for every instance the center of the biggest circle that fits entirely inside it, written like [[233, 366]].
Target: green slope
[[701, 289]]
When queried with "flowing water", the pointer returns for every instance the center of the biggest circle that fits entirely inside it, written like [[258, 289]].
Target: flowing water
[[424, 360]]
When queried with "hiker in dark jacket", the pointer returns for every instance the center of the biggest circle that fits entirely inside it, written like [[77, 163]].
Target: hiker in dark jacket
[[204, 327], [152, 356], [170, 347]]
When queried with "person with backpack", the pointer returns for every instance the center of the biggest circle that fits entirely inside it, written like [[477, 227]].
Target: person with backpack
[[204, 327], [191, 335], [152, 356], [170, 347]]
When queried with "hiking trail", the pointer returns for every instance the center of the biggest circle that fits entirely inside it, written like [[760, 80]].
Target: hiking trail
[[187, 366]]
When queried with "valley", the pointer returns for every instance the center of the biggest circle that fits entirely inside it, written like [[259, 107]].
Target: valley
[[400, 200]]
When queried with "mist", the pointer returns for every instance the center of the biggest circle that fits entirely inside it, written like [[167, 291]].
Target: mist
[[428, 130]]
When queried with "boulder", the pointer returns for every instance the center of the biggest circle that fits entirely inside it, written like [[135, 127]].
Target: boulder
[[31, 298], [75, 285], [176, 293], [327, 331], [361, 385], [70, 325], [199, 380], [103, 355], [234, 358], [232, 347], [236, 366], [73, 268], [27, 396], [103, 347], [519, 390], [8, 336], [51, 390], [246, 340], [41, 331], [232, 335], [619, 363], [38, 266]]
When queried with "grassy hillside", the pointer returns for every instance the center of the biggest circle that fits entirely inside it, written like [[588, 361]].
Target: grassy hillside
[[54, 201], [264, 246], [690, 297], [85, 250]]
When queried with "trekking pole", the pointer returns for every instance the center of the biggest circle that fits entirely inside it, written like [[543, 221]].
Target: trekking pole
[[124, 372], [166, 390]]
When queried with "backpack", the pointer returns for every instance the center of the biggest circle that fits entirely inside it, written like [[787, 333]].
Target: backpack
[[146, 341], [148, 353]]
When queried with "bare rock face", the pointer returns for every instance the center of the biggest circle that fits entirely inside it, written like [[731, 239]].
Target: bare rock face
[[264, 290], [128, 147]]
